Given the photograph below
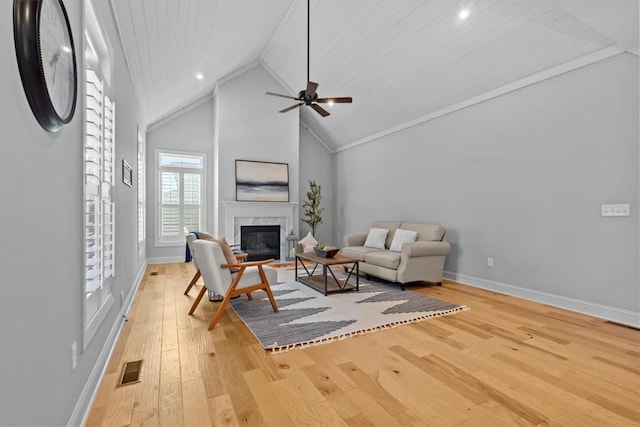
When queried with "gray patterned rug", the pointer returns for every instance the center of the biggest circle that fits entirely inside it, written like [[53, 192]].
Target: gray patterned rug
[[306, 317]]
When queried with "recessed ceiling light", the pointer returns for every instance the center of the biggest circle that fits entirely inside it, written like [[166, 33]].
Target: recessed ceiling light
[[330, 102], [464, 14], [199, 76]]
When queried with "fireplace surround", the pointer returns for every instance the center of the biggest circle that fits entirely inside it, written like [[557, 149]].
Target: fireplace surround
[[238, 214]]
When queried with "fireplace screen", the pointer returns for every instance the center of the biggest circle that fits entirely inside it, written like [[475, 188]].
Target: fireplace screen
[[260, 241]]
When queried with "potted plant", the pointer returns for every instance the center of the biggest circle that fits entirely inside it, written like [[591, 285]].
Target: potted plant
[[311, 206]]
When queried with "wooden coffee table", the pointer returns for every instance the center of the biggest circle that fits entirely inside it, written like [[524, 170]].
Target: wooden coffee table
[[320, 282]]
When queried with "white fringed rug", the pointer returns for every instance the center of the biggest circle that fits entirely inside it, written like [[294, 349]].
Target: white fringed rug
[[306, 317]]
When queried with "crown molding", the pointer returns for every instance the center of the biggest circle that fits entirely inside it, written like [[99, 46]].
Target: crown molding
[[185, 109], [511, 87]]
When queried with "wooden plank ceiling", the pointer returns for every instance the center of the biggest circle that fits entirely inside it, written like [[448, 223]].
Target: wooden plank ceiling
[[400, 60]]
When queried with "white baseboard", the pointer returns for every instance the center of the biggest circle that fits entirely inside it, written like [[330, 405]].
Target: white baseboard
[[88, 395], [613, 314], [165, 260]]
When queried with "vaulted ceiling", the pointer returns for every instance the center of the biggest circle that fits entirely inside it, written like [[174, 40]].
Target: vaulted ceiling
[[402, 61]]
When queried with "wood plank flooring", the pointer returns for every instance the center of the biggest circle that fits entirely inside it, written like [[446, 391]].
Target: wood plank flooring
[[506, 362]]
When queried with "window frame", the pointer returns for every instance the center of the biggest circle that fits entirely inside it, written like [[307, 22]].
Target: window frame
[[97, 55], [159, 241]]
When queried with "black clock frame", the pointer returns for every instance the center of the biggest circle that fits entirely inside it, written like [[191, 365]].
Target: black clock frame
[[26, 20]]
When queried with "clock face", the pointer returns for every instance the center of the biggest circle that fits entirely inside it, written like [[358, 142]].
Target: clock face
[[56, 54], [46, 60]]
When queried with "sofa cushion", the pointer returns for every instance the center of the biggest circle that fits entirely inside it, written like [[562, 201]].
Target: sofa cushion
[[425, 231], [401, 237], [385, 259], [356, 252], [389, 225], [376, 238]]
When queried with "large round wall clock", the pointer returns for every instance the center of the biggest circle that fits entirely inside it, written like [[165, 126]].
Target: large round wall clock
[[46, 60]]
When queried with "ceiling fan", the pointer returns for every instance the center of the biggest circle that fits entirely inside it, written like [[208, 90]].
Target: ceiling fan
[[309, 96]]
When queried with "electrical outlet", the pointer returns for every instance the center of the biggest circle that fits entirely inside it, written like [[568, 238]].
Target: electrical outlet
[[615, 210], [489, 262], [121, 299], [74, 355]]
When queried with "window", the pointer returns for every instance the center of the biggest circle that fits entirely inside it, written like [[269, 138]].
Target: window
[[99, 179], [180, 196]]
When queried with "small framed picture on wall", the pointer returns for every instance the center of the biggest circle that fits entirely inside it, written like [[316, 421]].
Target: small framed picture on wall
[[127, 173]]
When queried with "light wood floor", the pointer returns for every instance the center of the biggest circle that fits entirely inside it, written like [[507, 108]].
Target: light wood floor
[[506, 362]]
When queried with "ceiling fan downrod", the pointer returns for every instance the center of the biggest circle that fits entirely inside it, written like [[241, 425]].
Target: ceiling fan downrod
[[308, 36], [309, 96]]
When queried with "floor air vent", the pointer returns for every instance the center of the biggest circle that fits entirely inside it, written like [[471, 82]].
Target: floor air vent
[[130, 373], [153, 273]]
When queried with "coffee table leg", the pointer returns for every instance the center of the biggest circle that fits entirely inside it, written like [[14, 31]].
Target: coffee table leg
[[296, 276], [357, 276], [324, 278]]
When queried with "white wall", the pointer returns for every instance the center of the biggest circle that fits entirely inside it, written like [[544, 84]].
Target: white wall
[[41, 249], [520, 178]]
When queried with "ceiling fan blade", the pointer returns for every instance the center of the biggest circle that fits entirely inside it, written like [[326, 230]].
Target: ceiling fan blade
[[339, 100], [291, 108], [320, 110], [311, 89], [283, 96]]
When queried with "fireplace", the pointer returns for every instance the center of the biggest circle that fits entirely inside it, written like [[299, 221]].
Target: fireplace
[[260, 241], [239, 214]]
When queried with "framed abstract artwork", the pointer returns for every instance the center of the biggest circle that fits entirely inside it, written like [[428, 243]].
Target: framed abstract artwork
[[262, 181]]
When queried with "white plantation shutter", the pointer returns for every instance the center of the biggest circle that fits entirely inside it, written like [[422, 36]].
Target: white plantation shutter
[[170, 204], [180, 196], [93, 156], [108, 212], [191, 189], [99, 207], [192, 202]]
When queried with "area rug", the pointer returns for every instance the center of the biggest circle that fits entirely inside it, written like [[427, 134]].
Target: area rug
[[306, 317]]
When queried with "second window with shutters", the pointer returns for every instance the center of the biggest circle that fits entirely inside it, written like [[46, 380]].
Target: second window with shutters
[[180, 196]]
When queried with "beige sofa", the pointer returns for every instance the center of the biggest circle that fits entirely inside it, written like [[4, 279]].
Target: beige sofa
[[419, 260]]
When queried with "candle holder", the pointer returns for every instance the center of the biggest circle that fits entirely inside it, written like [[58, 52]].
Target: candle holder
[[291, 244]]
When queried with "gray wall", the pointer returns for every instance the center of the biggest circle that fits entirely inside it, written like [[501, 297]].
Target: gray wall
[[249, 127], [41, 224], [190, 132], [316, 163], [240, 122], [519, 178]]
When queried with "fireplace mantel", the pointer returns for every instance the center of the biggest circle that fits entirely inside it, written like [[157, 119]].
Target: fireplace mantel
[[259, 213]]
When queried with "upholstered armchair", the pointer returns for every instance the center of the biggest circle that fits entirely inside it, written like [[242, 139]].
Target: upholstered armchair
[[191, 237], [230, 280]]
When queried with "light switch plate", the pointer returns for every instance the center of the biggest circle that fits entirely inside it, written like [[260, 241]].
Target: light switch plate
[[616, 210]]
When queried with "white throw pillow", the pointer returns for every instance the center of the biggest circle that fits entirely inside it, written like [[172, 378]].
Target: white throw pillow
[[376, 238], [402, 236], [308, 242]]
